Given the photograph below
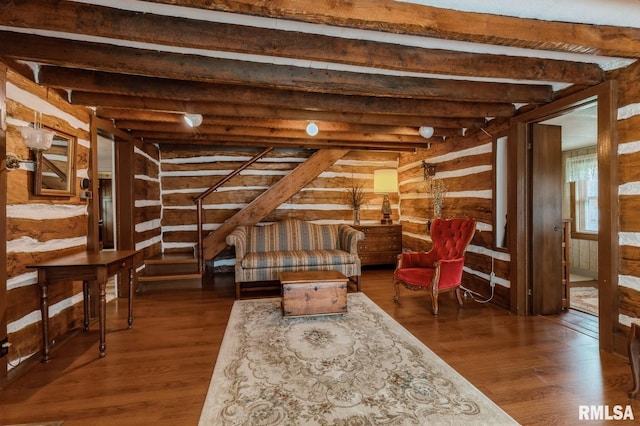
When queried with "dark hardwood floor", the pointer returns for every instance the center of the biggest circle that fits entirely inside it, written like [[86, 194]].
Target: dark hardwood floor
[[537, 370]]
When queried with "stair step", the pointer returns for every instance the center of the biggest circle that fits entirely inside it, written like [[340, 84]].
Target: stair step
[[169, 268], [171, 258], [168, 277]]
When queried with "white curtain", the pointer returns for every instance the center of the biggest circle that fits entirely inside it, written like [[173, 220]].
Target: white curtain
[[582, 168]]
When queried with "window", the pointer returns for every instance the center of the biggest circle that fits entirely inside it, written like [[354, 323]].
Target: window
[[582, 172], [586, 206]]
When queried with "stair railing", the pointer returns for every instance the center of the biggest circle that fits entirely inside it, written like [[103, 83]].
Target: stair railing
[[199, 198]]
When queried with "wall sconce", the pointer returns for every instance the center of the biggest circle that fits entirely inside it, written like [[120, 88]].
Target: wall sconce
[[385, 181], [429, 169], [312, 129], [193, 120], [36, 139]]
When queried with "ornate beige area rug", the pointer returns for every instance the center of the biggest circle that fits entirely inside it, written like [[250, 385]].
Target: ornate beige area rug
[[362, 368], [584, 299]]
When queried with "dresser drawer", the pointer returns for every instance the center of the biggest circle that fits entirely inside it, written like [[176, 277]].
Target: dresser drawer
[[378, 258], [381, 245], [373, 246], [380, 229]]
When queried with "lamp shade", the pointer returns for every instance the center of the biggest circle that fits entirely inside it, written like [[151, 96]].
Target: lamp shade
[[385, 181], [36, 139]]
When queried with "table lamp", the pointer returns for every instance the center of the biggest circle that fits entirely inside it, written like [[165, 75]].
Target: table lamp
[[384, 182]]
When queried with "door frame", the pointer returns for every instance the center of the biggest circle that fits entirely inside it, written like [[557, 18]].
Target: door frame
[[519, 188]]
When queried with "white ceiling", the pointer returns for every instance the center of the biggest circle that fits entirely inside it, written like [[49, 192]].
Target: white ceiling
[[579, 127], [619, 13]]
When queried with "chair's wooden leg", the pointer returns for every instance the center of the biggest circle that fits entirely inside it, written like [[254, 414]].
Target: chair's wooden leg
[[396, 298], [434, 300], [237, 290], [634, 359], [459, 297], [358, 283]]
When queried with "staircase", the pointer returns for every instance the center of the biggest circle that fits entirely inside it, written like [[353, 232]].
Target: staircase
[[186, 269], [171, 269]]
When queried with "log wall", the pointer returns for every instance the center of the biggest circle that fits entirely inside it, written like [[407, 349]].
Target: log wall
[[148, 205], [41, 227], [628, 127], [187, 172], [465, 165]]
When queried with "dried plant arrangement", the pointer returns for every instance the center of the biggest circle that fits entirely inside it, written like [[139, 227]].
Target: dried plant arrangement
[[438, 191], [355, 196]]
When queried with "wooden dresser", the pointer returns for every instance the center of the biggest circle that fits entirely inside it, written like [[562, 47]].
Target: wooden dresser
[[381, 245]]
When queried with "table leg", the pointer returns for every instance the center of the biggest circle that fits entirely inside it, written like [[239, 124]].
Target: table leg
[[102, 299], [44, 310], [131, 287], [85, 298]]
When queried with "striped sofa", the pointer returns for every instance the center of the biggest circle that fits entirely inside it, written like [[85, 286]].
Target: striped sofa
[[263, 251]]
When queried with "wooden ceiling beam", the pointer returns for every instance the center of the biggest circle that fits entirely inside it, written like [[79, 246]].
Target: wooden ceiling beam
[[101, 21], [177, 131], [214, 124], [144, 87], [128, 60], [309, 143], [234, 112], [420, 20]]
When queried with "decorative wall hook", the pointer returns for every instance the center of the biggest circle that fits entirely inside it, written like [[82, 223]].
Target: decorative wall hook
[[429, 169]]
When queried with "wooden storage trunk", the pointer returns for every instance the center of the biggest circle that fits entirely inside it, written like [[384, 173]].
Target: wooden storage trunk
[[313, 293]]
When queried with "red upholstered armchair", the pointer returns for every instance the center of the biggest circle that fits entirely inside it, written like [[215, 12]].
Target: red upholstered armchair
[[439, 269]]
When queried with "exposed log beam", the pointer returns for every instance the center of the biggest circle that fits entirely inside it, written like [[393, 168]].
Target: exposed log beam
[[311, 143], [215, 125], [190, 33], [225, 131], [224, 113], [401, 113], [210, 132], [145, 87], [407, 18], [107, 58]]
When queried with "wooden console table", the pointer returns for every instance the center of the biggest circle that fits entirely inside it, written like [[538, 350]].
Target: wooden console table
[[86, 266]]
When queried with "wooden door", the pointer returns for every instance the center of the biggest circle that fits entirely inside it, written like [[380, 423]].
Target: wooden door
[[546, 219]]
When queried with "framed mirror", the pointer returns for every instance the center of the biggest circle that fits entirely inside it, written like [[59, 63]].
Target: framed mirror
[[55, 170]]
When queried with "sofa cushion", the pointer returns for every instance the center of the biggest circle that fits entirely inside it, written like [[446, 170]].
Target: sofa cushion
[[291, 235], [301, 258]]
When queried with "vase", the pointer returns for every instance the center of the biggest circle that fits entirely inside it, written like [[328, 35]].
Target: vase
[[356, 216]]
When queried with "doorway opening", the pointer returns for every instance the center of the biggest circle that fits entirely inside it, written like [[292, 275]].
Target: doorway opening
[[106, 202], [579, 144], [540, 240]]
